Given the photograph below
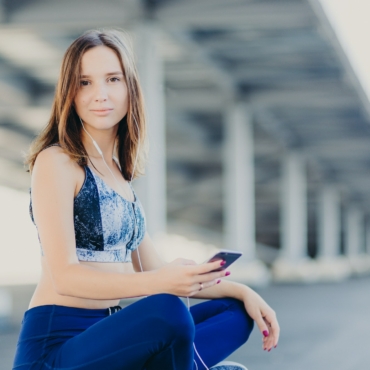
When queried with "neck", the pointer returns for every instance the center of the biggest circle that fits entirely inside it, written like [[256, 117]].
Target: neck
[[105, 139]]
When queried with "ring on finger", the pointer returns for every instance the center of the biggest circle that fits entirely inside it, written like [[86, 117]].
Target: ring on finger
[[201, 286]]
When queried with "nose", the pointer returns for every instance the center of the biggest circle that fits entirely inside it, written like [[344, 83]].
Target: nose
[[100, 93]]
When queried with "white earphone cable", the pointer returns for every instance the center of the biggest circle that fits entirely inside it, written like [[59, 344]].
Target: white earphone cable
[[195, 348]]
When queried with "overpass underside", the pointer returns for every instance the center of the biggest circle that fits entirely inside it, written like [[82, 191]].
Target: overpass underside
[[259, 129]]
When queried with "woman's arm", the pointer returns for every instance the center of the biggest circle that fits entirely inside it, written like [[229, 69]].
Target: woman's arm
[[257, 308], [149, 257], [54, 181]]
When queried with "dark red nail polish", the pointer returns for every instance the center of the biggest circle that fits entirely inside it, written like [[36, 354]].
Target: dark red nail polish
[[222, 263], [269, 350], [275, 346], [264, 349], [265, 333], [219, 281], [227, 273]]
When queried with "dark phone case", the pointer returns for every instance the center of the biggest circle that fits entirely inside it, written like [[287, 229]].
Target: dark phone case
[[228, 257]]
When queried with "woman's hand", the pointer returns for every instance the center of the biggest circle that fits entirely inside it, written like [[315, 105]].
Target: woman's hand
[[185, 278], [265, 318]]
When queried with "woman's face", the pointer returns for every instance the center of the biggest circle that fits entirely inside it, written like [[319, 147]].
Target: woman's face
[[102, 97]]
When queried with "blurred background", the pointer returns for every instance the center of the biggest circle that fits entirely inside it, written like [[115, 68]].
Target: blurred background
[[259, 130]]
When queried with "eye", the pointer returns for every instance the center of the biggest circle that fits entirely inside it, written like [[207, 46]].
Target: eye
[[84, 83], [114, 79]]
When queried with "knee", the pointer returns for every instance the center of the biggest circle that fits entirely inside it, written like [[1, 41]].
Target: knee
[[173, 316]]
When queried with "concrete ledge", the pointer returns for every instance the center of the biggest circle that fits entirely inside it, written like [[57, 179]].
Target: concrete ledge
[[304, 270], [333, 269], [172, 246], [323, 269], [15, 301], [6, 308], [253, 273], [360, 265]]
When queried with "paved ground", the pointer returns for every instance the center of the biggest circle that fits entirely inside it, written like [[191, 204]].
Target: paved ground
[[324, 326]]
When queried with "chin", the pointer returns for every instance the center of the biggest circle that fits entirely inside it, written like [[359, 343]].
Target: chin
[[102, 123]]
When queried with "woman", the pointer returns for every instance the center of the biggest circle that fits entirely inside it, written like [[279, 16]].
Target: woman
[[95, 250]]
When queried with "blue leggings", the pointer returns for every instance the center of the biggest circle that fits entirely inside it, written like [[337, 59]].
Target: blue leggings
[[153, 333]]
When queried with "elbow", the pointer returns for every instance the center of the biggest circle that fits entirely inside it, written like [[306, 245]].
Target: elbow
[[61, 282], [59, 286], [60, 289]]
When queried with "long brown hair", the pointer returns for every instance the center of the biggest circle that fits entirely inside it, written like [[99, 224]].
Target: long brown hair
[[64, 126]]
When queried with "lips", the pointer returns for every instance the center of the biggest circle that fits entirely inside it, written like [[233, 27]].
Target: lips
[[102, 112]]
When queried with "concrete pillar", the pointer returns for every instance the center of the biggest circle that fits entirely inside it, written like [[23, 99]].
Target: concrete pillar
[[366, 256], [329, 226], [331, 266], [2, 12], [151, 188], [367, 245], [294, 264], [354, 225], [239, 209], [239, 197], [293, 208], [353, 231]]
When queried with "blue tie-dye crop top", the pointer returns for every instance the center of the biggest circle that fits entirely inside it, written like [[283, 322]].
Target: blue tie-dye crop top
[[107, 226]]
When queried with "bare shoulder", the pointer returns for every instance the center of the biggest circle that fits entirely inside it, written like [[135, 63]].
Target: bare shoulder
[[53, 155], [54, 165]]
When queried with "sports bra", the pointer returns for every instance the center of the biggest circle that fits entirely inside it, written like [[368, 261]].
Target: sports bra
[[108, 227]]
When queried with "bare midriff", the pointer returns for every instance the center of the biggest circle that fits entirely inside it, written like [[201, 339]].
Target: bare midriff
[[45, 293]]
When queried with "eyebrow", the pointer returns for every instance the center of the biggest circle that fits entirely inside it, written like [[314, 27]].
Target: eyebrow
[[108, 74]]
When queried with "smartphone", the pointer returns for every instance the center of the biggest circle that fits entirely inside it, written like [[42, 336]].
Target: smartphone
[[226, 255]]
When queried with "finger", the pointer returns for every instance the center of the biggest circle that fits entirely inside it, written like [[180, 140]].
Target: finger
[[208, 267], [275, 330], [211, 276], [198, 287], [268, 343], [272, 322], [262, 325], [210, 284]]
